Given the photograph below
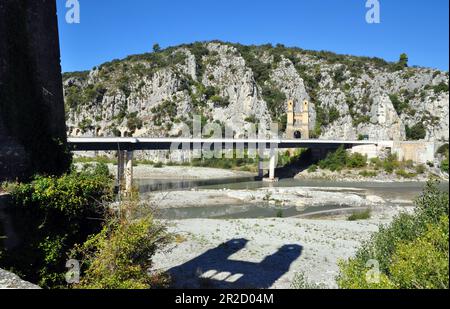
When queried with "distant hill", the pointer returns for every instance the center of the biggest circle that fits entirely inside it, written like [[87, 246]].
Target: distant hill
[[150, 94]]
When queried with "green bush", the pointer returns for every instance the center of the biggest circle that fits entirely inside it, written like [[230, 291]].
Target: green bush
[[52, 215], [410, 251], [340, 159], [423, 263], [376, 162], [356, 160], [335, 161], [275, 100], [312, 168], [441, 87], [443, 150], [368, 174], [416, 132], [158, 165], [399, 105], [119, 257], [391, 163], [220, 101], [444, 165], [134, 122], [402, 173], [360, 215], [420, 169]]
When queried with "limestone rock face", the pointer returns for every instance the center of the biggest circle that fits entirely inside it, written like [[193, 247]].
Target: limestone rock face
[[232, 85]]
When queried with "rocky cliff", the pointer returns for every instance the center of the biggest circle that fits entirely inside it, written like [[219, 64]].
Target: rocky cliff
[[235, 85]]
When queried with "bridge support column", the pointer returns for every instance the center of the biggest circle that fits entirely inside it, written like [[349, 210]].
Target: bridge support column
[[120, 169], [129, 173], [272, 165], [260, 168]]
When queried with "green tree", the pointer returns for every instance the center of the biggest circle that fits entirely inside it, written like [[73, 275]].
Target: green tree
[[403, 62], [156, 48]]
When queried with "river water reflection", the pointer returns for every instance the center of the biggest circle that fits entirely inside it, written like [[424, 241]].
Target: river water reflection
[[396, 191]]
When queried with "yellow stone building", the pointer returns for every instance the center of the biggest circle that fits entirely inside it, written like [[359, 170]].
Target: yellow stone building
[[297, 120]]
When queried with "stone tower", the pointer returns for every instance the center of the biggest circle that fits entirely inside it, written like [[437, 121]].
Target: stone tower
[[32, 118], [297, 121]]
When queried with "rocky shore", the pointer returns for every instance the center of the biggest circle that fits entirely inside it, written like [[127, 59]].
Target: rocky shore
[[381, 176], [263, 253], [301, 197], [11, 281]]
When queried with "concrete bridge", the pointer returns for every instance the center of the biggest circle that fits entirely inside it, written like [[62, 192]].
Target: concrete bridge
[[126, 146]]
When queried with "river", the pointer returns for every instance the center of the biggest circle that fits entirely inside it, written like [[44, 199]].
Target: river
[[402, 193]]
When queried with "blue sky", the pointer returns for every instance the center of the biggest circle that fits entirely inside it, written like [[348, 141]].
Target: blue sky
[[111, 29]]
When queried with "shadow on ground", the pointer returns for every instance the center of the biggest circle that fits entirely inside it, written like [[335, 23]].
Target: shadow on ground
[[215, 269]]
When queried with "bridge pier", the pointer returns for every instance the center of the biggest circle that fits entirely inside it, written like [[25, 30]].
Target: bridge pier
[[120, 169], [272, 165], [125, 171], [129, 173], [261, 168], [273, 160]]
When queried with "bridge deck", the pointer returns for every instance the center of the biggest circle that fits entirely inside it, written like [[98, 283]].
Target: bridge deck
[[110, 144]]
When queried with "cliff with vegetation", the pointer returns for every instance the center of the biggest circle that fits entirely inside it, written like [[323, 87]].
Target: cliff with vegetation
[[152, 94]]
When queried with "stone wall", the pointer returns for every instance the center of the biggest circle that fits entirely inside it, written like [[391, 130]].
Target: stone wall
[[417, 151], [32, 118]]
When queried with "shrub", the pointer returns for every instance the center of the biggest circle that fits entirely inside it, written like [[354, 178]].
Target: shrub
[[312, 169], [251, 119], [444, 165], [368, 174], [391, 163], [443, 150], [53, 215], [399, 106], [335, 161], [275, 100], [158, 165], [360, 215], [441, 87], [301, 282], [392, 247], [420, 169], [376, 162], [423, 263], [134, 122], [119, 257], [340, 159], [416, 132], [402, 173], [356, 160], [220, 101], [333, 114]]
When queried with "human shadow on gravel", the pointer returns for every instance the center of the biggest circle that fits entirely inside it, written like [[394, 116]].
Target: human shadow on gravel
[[215, 269]]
